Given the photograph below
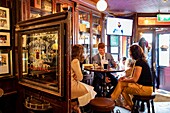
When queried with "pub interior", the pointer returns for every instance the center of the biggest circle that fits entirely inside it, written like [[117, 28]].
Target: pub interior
[[36, 40]]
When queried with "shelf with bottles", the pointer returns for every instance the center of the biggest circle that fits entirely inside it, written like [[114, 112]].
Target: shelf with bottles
[[84, 38], [84, 22], [34, 9], [84, 16], [45, 5], [35, 12], [84, 26], [96, 41], [96, 25], [96, 29]]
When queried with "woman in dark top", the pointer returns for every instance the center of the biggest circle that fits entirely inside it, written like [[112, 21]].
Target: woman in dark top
[[141, 81]]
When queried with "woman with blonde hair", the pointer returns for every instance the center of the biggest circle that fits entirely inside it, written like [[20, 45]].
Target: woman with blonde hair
[[81, 93], [141, 81]]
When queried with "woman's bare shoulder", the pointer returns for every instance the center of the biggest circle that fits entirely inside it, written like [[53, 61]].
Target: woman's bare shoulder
[[75, 61]]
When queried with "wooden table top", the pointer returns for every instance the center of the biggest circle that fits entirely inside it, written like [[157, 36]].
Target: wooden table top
[[110, 70]]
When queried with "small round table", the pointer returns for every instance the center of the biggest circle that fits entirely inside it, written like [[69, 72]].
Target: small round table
[[104, 71]]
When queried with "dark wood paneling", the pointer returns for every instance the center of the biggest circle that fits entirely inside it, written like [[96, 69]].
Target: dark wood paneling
[[8, 100]]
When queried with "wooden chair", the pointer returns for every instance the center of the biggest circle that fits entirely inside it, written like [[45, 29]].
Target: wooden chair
[[141, 99], [102, 105]]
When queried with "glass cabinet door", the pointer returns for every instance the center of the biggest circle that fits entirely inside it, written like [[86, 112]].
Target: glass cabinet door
[[41, 57], [96, 33], [84, 33]]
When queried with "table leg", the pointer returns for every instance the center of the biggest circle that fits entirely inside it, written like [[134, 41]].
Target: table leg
[[104, 88]]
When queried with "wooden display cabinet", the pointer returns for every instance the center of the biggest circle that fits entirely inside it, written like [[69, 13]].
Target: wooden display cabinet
[[38, 8], [44, 72]]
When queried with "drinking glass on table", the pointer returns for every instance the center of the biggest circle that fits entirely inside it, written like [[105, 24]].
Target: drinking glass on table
[[94, 64], [105, 64]]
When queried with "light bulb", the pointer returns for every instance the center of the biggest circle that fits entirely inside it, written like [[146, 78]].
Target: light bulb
[[101, 5]]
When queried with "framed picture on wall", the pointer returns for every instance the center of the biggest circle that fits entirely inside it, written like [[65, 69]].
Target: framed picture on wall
[[5, 66], [4, 39], [4, 18]]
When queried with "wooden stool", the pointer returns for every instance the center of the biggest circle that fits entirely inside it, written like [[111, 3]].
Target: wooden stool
[[136, 99], [102, 105]]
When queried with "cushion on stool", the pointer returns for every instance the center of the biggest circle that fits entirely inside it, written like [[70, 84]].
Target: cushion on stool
[[102, 104]]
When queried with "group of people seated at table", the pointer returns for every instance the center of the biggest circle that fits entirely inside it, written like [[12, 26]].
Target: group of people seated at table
[[98, 77], [137, 79]]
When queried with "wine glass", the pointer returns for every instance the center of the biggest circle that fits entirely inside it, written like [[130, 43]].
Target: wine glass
[[94, 64]]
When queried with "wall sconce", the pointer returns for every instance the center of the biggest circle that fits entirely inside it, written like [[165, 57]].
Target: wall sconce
[[101, 5]]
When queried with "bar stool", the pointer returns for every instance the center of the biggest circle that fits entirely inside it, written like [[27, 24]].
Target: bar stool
[[102, 105], [137, 99]]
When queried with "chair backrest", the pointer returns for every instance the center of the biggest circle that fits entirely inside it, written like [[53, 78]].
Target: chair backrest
[[88, 79]]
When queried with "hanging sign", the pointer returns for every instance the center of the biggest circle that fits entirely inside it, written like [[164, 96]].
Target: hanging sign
[[163, 17]]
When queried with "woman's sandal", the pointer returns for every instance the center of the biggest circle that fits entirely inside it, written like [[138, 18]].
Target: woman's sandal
[[127, 107], [75, 108], [123, 106]]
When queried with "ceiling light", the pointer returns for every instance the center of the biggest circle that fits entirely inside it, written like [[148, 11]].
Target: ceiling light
[[101, 5], [164, 1]]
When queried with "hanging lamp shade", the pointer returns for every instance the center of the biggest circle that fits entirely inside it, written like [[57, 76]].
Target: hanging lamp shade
[[101, 5]]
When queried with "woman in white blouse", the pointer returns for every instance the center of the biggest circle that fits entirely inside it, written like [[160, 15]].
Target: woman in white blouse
[[79, 91]]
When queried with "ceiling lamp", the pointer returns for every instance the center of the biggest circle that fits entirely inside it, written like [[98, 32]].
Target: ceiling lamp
[[164, 1], [101, 5]]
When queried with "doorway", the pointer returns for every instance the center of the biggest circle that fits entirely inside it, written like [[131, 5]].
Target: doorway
[[163, 59], [149, 35]]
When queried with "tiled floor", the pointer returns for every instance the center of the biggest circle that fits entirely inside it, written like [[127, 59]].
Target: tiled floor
[[160, 107], [161, 103]]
